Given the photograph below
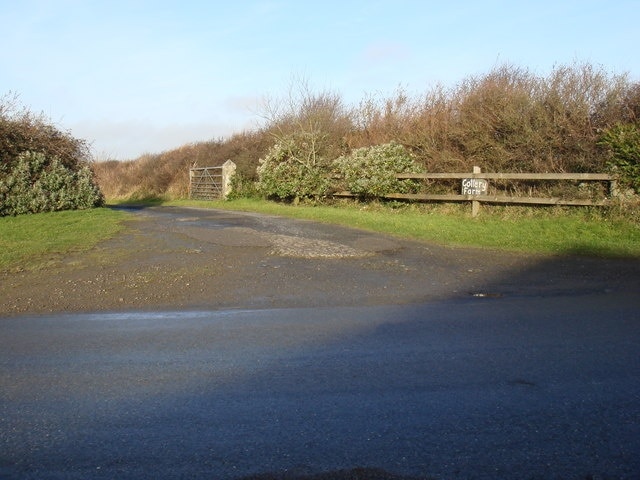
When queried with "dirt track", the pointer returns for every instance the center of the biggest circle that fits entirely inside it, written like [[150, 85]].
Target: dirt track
[[171, 258]]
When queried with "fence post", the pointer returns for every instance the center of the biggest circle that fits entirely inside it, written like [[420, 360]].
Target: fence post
[[613, 189], [228, 170], [475, 204]]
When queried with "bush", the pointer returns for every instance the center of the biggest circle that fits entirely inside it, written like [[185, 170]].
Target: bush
[[370, 171], [38, 184], [291, 170], [41, 168], [242, 187], [23, 131], [623, 145]]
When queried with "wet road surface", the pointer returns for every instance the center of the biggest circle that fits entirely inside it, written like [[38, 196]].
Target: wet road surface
[[503, 375]]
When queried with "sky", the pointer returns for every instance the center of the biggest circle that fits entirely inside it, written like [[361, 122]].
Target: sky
[[138, 76]]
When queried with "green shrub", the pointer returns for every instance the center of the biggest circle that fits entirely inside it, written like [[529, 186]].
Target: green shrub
[[370, 171], [243, 187], [623, 144], [291, 170], [37, 184]]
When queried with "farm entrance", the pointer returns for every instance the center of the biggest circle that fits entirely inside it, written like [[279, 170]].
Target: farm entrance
[[211, 183]]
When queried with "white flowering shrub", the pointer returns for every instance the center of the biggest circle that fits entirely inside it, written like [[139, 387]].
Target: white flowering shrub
[[39, 184], [370, 171], [291, 170]]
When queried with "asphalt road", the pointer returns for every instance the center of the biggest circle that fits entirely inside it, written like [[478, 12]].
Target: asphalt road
[[533, 383]]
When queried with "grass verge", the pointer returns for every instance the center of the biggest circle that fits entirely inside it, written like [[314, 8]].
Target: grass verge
[[532, 230], [29, 241]]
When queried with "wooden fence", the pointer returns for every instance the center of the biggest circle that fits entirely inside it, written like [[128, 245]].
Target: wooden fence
[[474, 188]]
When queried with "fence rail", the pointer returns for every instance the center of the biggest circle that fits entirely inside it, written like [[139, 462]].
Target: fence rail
[[497, 199], [510, 176], [481, 195]]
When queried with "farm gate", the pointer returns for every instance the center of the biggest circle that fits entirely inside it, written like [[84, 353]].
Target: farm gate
[[211, 183]]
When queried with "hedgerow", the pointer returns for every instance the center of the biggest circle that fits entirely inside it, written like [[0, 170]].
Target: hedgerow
[[507, 120]]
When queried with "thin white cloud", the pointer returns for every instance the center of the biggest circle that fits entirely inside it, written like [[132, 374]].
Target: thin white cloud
[[125, 140]]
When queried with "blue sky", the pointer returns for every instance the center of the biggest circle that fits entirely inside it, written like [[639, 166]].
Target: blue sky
[[138, 76]]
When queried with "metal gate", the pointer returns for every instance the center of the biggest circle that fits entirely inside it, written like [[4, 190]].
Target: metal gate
[[205, 183]]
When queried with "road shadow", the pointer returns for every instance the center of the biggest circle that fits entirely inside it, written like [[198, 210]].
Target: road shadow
[[531, 373], [352, 474]]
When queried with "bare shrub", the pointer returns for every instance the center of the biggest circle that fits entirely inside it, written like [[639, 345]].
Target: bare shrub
[[244, 149], [309, 131], [24, 131], [319, 120], [631, 104], [167, 173]]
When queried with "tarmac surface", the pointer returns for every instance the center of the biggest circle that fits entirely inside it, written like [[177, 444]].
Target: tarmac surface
[[208, 344], [170, 258]]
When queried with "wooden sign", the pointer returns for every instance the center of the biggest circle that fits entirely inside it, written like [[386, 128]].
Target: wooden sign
[[475, 186]]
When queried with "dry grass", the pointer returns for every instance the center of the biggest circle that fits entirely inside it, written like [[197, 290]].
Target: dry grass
[[508, 120]]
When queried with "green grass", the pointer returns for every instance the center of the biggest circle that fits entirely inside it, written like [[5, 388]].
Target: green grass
[[29, 241], [541, 230]]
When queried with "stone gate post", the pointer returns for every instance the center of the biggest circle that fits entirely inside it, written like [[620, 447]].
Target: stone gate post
[[228, 171]]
